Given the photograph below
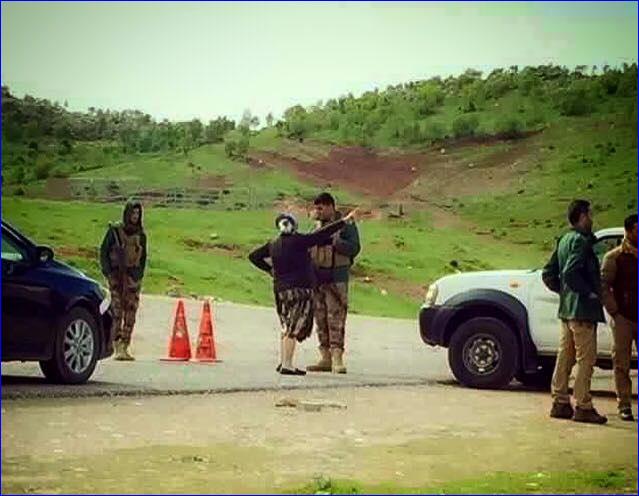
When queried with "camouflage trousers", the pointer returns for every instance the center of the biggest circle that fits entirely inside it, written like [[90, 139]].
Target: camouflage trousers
[[124, 305], [330, 303]]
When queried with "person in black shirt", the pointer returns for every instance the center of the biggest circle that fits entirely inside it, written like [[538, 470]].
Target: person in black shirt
[[293, 280]]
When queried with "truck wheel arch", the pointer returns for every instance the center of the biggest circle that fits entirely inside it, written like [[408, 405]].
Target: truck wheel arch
[[500, 305]]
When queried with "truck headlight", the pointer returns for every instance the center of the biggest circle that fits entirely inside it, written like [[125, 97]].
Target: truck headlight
[[106, 299], [431, 295]]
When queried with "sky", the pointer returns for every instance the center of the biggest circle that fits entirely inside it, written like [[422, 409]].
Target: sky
[[203, 59]]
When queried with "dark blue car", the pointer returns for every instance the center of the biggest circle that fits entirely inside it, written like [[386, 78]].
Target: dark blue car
[[51, 313]]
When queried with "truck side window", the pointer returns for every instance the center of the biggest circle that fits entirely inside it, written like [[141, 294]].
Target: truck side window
[[604, 245]]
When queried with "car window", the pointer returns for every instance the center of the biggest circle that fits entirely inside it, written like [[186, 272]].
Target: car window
[[604, 245], [11, 252]]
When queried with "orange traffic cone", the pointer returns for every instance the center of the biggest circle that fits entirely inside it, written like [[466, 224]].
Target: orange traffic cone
[[179, 344], [205, 351]]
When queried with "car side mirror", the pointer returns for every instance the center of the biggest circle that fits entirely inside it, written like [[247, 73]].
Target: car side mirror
[[44, 255]]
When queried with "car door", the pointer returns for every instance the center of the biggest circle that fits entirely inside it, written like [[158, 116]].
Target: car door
[[544, 305], [26, 304]]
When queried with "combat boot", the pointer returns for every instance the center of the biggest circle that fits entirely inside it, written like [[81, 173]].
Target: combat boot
[[561, 411], [117, 350], [336, 361], [324, 364], [590, 416], [121, 352], [126, 356]]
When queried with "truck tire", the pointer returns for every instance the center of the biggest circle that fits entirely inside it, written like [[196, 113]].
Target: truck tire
[[75, 351], [483, 353]]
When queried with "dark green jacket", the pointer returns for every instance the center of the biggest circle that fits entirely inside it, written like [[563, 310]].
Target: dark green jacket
[[573, 272]]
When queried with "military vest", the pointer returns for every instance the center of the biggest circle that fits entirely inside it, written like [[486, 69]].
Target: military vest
[[326, 257], [127, 244]]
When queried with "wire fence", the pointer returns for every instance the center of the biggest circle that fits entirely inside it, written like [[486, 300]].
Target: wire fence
[[111, 191]]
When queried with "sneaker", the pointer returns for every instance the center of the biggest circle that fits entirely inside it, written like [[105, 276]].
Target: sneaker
[[626, 414], [590, 416], [561, 411]]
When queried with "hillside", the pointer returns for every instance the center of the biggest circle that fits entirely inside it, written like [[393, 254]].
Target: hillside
[[461, 173]]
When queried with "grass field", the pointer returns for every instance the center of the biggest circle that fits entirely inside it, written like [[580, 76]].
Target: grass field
[[593, 159], [616, 481], [205, 252]]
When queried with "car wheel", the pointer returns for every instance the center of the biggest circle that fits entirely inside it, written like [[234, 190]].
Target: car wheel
[[483, 353], [75, 351]]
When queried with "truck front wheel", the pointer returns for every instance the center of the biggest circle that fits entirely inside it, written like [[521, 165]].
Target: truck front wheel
[[483, 353]]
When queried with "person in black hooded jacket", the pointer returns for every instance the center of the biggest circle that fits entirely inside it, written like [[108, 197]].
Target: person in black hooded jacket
[[293, 281], [123, 261]]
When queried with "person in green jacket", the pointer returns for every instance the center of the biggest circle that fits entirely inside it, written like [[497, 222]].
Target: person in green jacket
[[123, 261], [573, 271], [332, 261]]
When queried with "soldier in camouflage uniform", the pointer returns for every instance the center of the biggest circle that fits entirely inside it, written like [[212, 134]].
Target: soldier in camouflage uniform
[[123, 260], [332, 261]]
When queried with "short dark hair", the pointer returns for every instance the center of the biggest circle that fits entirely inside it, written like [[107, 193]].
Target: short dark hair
[[576, 208], [324, 199], [630, 222]]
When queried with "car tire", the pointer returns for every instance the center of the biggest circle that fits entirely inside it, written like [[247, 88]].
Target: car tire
[[483, 353], [75, 351]]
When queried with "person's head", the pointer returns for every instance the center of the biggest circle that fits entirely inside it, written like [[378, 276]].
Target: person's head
[[580, 215], [132, 216], [630, 225], [286, 223], [324, 207]]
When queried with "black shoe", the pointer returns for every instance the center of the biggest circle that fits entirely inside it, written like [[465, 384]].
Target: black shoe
[[589, 416], [278, 368], [284, 371], [626, 414], [561, 411]]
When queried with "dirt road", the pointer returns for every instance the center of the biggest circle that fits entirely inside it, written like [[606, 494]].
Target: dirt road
[[379, 352], [241, 442]]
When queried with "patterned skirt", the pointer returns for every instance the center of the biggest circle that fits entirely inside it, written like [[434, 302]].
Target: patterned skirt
[[295, 310]]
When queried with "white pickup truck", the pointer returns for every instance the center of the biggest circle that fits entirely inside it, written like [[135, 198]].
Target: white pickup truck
[[500, 325]]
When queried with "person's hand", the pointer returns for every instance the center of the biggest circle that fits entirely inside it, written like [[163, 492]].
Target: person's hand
[[352, 215]]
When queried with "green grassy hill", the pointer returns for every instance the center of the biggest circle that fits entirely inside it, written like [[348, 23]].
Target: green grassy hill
[[480, 172]]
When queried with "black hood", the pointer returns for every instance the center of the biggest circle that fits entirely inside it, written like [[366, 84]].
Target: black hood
[[126, 215]]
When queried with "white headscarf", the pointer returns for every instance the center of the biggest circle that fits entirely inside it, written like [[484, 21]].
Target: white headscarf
[[286, 223]]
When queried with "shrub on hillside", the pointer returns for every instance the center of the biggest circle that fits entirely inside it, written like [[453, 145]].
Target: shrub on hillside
[[42, 169], [579, 98], [19, 175], [465, 125], [473, 97], [434, 131], [627, 85], [534, 118], [236, 144], [509, 126]]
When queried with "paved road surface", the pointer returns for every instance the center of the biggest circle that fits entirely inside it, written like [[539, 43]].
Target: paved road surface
[[380, 352]]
